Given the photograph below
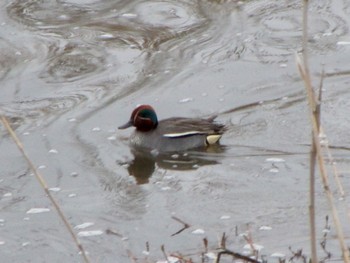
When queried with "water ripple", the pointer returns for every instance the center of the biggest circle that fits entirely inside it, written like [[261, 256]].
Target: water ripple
[[281, 29], [72, 63], [37, 112]]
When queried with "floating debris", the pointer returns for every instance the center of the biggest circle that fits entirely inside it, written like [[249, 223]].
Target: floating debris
[[90, 233], [274, 170], [37, 210], [129, 15], [106, 36], [185, 100], [343, 43], [7, 194], [96, 129], [255, 246], [225, 217], [72, 195], [198, 231], [42, 167], [84, 225], [277, 255], [74, 174], [210, 255], [55, 189], [53, 151], [112, 138], [265, 228], [170, 259], [275, 160]]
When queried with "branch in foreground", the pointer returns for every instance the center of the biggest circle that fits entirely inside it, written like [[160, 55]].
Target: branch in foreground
[[44, 186]]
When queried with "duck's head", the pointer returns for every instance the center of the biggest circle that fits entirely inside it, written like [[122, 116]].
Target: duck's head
[[144, 118]]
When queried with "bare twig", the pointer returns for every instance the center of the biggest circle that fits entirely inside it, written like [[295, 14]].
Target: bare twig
[[223, 241], [235, 255], [185, 225], [163, 250], [250, 242], [297, 255], [205, 242], [324, 240], [112, 232], [45, 187]]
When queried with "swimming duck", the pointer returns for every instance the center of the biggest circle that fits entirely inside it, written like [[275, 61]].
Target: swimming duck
[[173, 134]]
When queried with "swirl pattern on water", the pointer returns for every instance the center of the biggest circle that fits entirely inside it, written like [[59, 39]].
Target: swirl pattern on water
[[73, 63], [34, 113], [282, 29]]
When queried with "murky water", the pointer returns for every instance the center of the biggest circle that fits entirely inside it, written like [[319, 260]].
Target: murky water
[[72, 71]]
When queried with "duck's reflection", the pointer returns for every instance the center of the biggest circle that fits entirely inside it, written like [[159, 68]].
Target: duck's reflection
[[144, 163]]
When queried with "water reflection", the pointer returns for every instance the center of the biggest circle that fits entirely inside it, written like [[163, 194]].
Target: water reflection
[[144, 163]]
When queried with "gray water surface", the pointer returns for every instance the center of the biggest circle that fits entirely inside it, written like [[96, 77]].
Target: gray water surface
[[72, 71]]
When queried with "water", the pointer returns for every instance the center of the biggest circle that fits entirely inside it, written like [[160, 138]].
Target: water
[[72, 71]]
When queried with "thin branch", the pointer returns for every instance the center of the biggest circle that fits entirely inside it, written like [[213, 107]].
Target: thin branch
[[45, 187], [185, 225], [235, 255]]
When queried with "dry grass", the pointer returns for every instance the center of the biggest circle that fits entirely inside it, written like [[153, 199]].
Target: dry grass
[[316, 153]]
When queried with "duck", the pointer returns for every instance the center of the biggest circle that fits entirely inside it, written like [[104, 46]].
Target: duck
[[174, 134]]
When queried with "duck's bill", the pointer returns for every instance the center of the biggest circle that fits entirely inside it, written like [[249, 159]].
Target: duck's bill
[[126, 125]]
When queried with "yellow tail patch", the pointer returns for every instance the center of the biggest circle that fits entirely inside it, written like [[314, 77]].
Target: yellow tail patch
[[214, 138]]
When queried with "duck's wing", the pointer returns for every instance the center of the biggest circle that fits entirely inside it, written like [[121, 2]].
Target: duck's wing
[[181, 127]]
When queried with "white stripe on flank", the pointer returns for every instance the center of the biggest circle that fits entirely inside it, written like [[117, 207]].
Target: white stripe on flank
[[181, 134]]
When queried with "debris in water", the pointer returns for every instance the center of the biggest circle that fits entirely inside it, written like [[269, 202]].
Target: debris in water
[[277, 255], [37, 210], [53, 151], [55, 189], [275, 160], [198, 231], [84, 225], [265, 228], [90, 233]]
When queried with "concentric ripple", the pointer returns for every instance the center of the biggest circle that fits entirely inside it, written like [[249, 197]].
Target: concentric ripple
[[42, 15], [281, 29], [72, 63], [168, 14]]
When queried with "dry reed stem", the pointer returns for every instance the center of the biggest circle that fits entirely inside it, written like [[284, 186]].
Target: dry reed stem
[[44, 186], [304, 72], [322, 166], [334, 167]]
